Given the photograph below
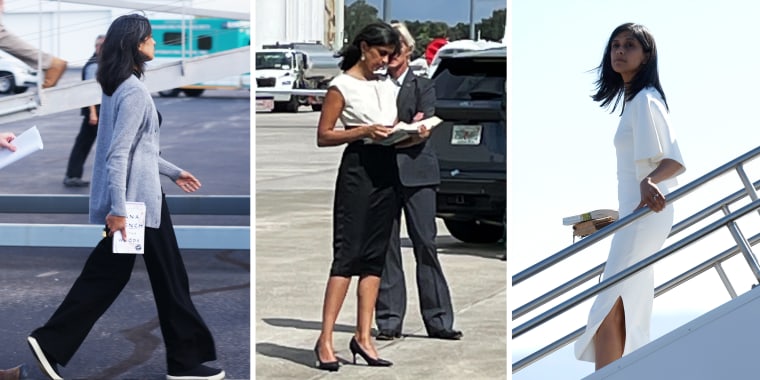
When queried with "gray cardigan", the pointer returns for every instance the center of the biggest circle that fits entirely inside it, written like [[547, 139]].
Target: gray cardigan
[[127, 162]]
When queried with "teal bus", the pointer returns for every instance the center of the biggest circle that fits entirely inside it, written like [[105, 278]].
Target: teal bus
[[202, 36]]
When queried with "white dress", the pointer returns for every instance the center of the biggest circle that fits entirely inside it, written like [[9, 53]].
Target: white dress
[[366, 101], [364, 197], [644, 137]]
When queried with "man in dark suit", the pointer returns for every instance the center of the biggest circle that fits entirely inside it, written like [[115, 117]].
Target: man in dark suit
[[418, 178]]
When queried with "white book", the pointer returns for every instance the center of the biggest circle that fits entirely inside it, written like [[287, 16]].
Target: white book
[[591, 215], [26, 144], [401, 131], [430, 123], [135, 241]]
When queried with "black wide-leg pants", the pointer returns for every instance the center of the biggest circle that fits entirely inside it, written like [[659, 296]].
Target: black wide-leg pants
[[187, 338]]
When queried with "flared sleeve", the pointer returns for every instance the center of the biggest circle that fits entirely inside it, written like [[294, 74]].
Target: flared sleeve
[[653, 136]]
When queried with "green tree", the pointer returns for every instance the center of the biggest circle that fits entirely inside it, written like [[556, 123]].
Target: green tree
[[356, 16], [460, 31], [359, 14], [424, 32], [492, 28]]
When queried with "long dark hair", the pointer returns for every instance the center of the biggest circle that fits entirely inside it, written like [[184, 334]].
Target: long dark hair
[[610, 86], [119, 57], [375, 34]]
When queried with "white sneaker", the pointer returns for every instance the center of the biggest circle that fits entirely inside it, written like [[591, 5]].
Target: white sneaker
[[48, 367]]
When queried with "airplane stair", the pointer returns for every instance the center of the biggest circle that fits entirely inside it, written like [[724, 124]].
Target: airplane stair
[[157, 77], [160, 77], [719, 343]]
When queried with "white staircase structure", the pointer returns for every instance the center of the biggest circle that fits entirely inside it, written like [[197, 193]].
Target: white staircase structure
[[83, 93], [169, 7], [157, 77], [720, 344]]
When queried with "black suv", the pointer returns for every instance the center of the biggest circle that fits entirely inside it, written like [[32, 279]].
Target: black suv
[[471, 144]]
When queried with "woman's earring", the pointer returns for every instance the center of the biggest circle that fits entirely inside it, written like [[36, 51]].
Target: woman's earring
[[362, 57]]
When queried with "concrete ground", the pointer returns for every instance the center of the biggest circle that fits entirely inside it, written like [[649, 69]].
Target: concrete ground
[[294, 188]]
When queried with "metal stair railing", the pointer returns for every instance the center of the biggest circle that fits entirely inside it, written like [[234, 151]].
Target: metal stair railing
[[64, 97], [713, 262], [743, 245], [236, 237], [596, 271]]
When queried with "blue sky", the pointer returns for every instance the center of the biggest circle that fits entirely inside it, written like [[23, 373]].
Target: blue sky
[[449, 11], [562, 161]]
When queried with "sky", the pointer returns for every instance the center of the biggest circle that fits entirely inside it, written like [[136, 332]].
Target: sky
[[562, 161], [449, 11]]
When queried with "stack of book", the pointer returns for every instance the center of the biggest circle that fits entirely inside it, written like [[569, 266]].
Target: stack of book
[[587, 223], [403, 131]]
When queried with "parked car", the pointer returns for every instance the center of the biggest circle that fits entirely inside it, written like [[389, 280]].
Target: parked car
[[471, 144], [15, 76]]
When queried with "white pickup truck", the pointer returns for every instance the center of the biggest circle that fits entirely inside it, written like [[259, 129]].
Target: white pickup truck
[[289, 76]]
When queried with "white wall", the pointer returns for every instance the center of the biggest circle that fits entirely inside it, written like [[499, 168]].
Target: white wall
[[69, 35], [289, 21]]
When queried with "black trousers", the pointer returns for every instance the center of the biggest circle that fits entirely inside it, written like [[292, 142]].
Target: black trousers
[[432, 289], [187, 338], [81, 148]]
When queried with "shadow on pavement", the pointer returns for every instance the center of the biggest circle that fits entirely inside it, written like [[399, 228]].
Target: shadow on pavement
[[447, 245], [145, 343], [306, 325], [295, 355]]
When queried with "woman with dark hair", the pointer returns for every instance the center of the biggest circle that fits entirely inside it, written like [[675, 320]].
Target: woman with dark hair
[[127, 167], [365, 200], [648, 160]]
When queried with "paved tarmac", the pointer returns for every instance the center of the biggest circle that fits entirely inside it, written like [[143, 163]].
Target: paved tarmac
[[210, 137], [294, 188]]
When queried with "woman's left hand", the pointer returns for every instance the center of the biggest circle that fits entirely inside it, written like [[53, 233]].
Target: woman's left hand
[[422, 133], [187, 182], [423, 130], [651, 195]]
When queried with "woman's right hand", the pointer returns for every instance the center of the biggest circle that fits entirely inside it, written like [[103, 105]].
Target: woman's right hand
[[116, 223], [377, 132], [651, 195]]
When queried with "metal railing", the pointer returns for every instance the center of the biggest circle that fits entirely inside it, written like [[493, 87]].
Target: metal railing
[[728, 220], [87, 235]]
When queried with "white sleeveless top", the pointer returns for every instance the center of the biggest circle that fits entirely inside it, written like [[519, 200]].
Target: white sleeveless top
[[366, 101]]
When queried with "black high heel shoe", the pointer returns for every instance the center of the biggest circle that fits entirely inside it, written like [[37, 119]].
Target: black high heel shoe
[[372, 362], [329, 366]]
